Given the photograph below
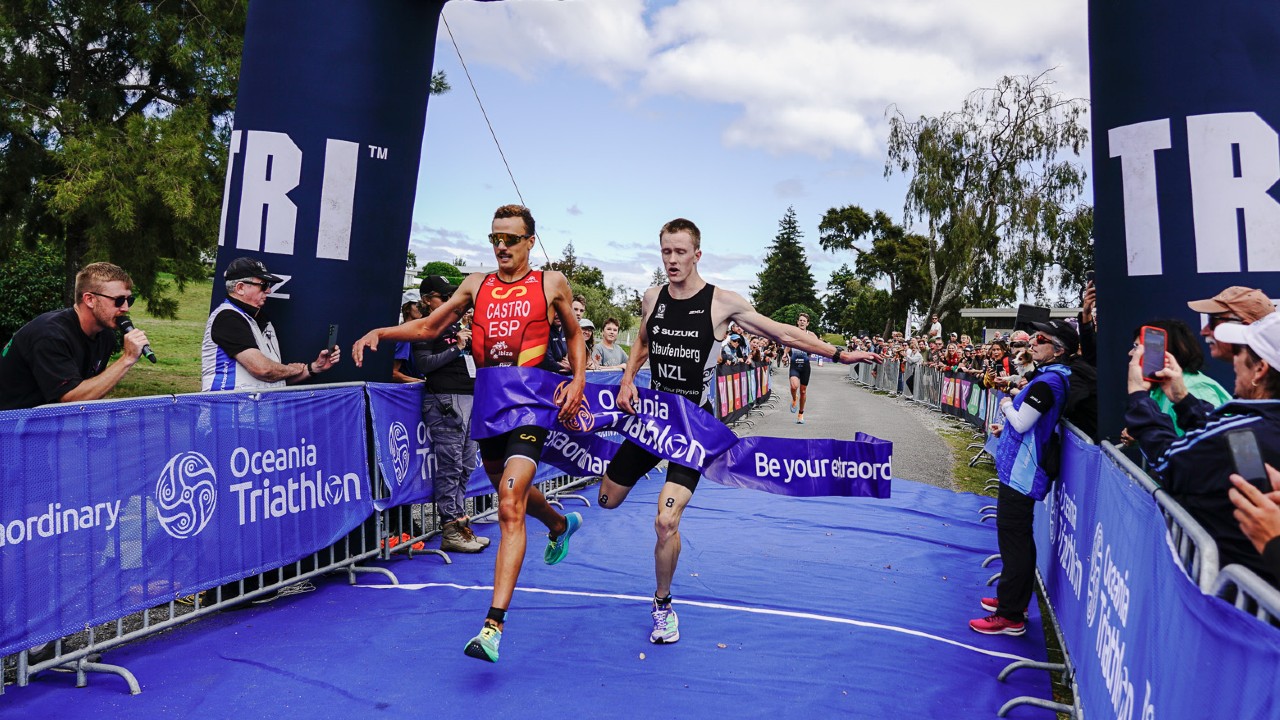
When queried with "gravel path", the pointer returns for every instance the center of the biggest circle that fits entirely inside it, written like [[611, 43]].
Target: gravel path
[[837, 408]]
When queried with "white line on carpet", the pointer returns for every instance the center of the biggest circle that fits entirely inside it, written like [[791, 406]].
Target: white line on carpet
[[718, 606]]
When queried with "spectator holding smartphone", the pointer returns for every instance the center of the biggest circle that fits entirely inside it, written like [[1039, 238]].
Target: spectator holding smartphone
[[1182, 376], [1196, 469], [1259, 516]]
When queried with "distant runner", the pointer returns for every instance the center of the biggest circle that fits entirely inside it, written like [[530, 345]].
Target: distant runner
[[800, 370]]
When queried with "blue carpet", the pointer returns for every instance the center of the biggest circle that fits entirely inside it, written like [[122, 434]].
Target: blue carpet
[[788, 607]]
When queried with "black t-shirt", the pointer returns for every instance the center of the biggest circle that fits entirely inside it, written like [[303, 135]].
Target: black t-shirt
[[48, 358], [230, 331]]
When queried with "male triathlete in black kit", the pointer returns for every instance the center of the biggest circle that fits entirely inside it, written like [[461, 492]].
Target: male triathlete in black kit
[[683, 324]]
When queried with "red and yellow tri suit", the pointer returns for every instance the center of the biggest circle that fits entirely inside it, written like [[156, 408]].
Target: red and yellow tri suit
[[511, 326]]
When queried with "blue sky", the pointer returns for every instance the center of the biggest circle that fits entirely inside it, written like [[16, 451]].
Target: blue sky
[[618, 115]]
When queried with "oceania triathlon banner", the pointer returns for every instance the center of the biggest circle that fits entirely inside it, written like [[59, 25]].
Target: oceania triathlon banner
[[1144, 641], [111, 508], [402, 443], [678, 431]]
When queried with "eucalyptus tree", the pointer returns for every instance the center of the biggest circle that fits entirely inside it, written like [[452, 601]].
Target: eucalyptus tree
[[996, 188]]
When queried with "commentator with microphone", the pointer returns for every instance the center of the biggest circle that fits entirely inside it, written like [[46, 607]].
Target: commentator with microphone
[[126, 326]]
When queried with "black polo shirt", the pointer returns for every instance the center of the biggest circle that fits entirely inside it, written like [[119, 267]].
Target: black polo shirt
[[48, 358]]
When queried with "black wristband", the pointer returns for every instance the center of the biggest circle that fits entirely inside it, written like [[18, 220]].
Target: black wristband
[[309, 370]]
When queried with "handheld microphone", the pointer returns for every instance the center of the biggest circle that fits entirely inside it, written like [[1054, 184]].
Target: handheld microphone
[[126, 326]]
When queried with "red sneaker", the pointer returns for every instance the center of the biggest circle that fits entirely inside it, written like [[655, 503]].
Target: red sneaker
[[995, 625], [992, 604]]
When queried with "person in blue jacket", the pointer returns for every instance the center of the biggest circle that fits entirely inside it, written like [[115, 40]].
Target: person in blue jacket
[[1026, 465]]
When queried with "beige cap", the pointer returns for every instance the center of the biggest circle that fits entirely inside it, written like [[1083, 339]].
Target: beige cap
[[1248, 303]]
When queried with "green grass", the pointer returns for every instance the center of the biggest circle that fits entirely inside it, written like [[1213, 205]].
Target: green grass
[[176, 344], [967, 479]]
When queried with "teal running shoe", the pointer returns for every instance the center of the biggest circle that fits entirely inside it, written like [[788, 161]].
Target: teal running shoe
[[666, 626], [557, 548], [485, 645]]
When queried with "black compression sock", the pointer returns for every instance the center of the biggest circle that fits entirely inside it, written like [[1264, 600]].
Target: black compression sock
[[498, 615]]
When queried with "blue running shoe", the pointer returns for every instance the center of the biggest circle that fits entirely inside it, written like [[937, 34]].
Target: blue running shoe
[[558, 547], [666, 627], [485, 645]]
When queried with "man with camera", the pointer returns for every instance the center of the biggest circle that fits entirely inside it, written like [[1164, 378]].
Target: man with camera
[[450, 374], [240, 348]]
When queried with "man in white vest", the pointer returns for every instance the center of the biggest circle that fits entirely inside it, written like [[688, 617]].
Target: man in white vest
[[241, 349]]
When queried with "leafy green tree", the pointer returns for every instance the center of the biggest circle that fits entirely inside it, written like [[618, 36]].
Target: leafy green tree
[[113, 118], [411, 260], [854, 306], [602, 301], [786, 277], [790, 313], [579, 275], [894, 255], [114, 122], [659, 277], [996, 184], [444, 269], [31, 284]]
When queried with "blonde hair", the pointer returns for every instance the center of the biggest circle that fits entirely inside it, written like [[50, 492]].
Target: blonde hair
[[96, 275]]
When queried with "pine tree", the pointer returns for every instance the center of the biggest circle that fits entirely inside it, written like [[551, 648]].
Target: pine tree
[[786, 278]]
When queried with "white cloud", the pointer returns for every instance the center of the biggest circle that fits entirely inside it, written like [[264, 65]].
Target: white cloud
[[805, 76]]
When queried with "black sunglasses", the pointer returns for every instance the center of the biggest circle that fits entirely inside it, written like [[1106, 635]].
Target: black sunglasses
[[120, 301], [508, 239], [263, 285]]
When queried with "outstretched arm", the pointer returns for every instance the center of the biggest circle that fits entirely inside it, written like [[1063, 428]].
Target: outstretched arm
[[427, 328], [741, 312]]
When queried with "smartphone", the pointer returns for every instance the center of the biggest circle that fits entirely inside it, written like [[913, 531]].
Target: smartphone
[[1153, 344], [1248, 459], [333, 337], [1088, 276]]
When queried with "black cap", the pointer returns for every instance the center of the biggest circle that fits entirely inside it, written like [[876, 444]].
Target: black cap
[[245, 268], [436, 284], [1062, 330]]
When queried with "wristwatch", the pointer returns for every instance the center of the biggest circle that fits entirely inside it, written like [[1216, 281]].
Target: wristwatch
[[835, 356]]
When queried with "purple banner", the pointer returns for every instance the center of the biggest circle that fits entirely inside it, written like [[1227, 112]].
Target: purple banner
[[676, 430]]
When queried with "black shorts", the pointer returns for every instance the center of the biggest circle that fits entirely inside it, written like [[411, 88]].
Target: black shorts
[[632, 462], [801, 372], [525, 441]]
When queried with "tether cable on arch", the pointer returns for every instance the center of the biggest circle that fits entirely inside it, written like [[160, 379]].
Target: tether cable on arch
[[493, 134]]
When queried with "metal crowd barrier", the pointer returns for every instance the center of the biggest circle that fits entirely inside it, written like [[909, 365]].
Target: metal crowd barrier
[[1242, 587], [1193, 545], [380, 537]]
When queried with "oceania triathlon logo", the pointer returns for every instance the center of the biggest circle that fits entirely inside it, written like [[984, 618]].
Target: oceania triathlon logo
[[186, 494], [582, 420], [398, 445], [1095, 577]]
